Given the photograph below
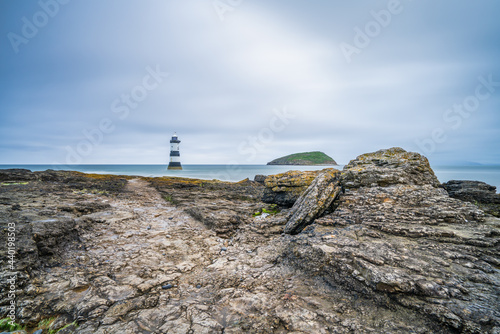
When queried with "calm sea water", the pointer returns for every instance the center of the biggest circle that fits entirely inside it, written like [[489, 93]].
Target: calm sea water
[[488, 174]]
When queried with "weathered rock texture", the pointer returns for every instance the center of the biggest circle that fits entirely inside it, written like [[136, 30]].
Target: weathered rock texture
[[476, 192], [387, 167], [397, 237], [315, 200], [221, 206], [121, 255], [285, 188]]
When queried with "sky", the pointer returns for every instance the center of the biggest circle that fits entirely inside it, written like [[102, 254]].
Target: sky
[[247, 81]]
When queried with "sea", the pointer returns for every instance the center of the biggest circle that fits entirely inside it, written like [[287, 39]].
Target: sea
[[485, 173]]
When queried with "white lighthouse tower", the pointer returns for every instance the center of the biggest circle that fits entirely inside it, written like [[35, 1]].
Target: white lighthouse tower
[[175, 157]]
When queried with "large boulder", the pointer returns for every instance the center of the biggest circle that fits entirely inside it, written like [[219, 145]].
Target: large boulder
[[389, 166], [285, 188], [396, 237], [317, 198]]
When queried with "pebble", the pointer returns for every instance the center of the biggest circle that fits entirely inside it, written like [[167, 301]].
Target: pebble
[[168, 286], [198, 286], [148, 228], [40, 331], [223, 249], [168, 236], [170, 218]]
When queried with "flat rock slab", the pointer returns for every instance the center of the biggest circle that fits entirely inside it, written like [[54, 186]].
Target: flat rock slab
[[314, 201]]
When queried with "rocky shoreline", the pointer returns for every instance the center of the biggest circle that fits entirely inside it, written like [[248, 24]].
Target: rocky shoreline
[[379, 247]]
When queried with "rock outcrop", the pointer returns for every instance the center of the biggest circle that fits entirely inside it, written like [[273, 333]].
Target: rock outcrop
[[284, 189], [221, 206], [398, 237], [476, 192], [315, 200], [388, 167], [393, 253]]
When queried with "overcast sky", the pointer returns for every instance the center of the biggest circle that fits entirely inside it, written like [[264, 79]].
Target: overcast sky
[[92, 81]]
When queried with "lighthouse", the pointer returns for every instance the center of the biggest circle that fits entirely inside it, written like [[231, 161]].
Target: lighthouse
[[175, 157]]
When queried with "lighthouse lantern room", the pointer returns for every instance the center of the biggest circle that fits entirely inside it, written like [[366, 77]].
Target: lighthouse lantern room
[[175, 157]]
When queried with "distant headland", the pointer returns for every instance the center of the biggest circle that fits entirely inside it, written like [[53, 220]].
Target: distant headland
[[305, 158]]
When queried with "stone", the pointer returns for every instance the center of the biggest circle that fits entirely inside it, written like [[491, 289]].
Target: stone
[[397, 238], [479, 193], [67, 329], [317, 198], [167, 286], [400, 257], [16, 175], [285, 188], [260, 178], [388, 166]]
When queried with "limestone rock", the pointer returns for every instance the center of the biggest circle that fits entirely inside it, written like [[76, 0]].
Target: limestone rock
[[16, 174], [476, 192], [389, 166], [260, 178], [404, 258], [314, 201], [285, 188], [397, 238]]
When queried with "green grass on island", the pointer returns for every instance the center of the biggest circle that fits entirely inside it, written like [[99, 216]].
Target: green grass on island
[[305, 158]]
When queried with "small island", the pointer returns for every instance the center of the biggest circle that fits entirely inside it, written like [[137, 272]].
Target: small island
[[305, 158]]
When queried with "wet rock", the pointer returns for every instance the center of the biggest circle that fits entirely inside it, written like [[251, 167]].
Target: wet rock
[[285, 188], [476, 192], [167, 286], [317, 198]]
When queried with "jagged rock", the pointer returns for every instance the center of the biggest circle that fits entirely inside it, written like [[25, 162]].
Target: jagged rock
[[389, 166], [314, 201], [476, 192], [260, 178], [396, 237], [16, 174], [285, 188], [404, 258]]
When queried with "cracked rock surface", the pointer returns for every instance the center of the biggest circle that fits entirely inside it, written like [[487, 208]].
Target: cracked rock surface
[[398, 237], [392, 254]]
